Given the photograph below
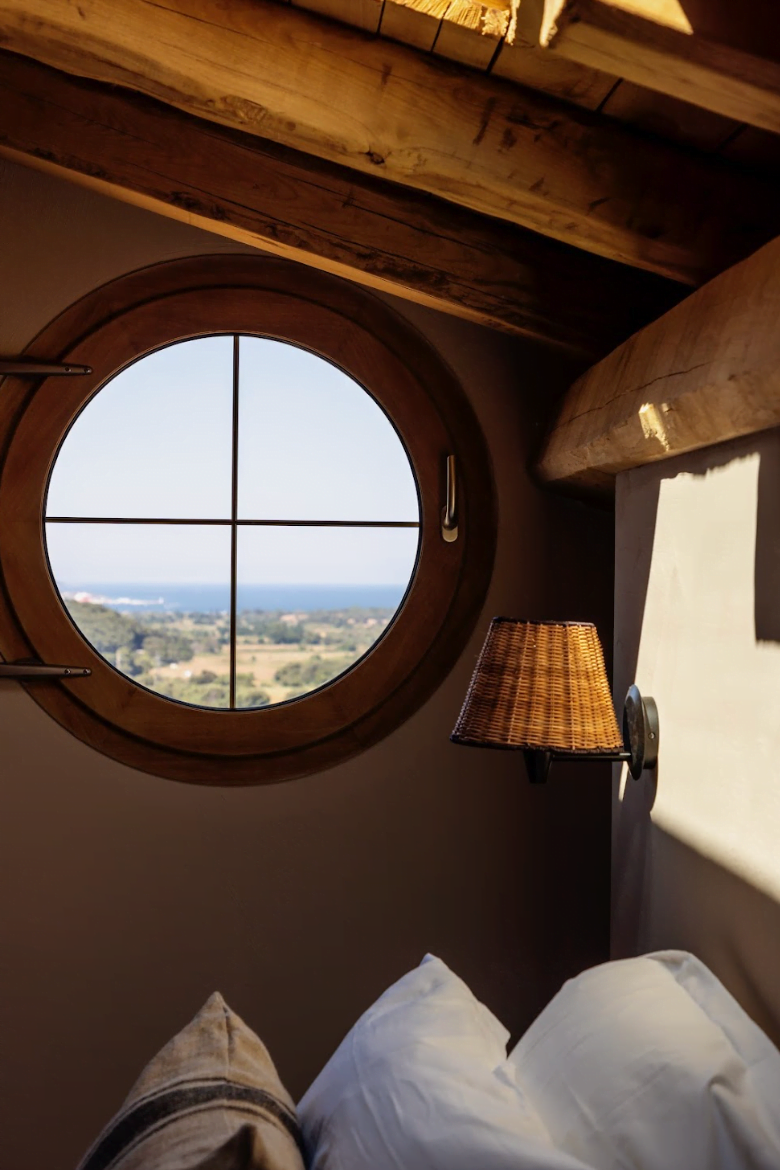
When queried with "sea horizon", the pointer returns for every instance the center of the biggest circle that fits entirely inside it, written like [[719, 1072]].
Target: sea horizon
[[202, 597]]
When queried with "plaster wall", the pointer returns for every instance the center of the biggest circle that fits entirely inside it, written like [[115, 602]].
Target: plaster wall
[[696, 862], [127, 899]]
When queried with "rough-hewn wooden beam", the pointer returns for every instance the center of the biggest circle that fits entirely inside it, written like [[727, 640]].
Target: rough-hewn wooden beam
[[663, 45], [707, 371], [385, 110], [292, 205]]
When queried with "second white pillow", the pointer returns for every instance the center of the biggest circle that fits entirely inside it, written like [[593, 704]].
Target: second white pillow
[[651, 1063]]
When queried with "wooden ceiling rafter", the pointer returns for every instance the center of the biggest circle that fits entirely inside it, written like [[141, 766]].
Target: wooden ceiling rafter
[[475, 35], [399, 241], [503, 152], [468, 31], [706, 55], [476, 48], [708, 370]]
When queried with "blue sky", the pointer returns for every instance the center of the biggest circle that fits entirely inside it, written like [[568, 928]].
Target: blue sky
[[156, 441]]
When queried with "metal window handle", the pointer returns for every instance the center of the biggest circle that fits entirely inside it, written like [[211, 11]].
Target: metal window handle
[[449, 513], [31, 668], [31, 367]]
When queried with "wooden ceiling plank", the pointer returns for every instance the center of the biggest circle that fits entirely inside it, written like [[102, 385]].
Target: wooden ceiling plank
[[754, 148], [523, 60], [526, 63], [465, 46], [292, 205], [377, 107], [652, 43], [705, 372], [411, 22], [668, 117], [470, 33], [364, 14]]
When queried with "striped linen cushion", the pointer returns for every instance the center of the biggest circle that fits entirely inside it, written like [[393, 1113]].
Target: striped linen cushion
[[210, 1100]]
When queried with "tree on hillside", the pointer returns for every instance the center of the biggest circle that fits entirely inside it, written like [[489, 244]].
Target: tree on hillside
[[130, 644], [107, 630], [163, 648], [312, 673]]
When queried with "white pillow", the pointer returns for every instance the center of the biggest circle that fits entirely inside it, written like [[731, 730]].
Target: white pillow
[[650, 1063], [412, 1087]]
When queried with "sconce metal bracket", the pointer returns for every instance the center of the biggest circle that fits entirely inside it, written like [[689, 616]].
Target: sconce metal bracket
[[640, 741]]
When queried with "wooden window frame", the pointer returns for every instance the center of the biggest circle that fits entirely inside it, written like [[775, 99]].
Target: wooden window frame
[[154, 307]]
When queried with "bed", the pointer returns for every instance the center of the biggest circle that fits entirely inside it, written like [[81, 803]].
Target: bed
[[646, 1063]]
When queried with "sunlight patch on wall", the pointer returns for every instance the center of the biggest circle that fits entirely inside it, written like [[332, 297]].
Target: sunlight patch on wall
[[716, 687], [652, 423]]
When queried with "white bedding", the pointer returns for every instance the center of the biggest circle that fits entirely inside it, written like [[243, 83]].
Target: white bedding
[[644, 1064], [413, 1087], [651, 1064]]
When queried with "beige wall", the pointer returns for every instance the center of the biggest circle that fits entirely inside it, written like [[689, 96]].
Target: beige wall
[[128, 899], [697, 623]]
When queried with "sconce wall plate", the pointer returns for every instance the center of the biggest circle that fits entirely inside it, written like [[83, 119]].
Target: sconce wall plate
[[640, 731]]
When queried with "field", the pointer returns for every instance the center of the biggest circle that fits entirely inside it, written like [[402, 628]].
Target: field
[[186, 656]]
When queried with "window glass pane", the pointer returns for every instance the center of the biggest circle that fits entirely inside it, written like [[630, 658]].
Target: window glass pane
[[154, 600], [311, 601], [155, 441], [313, 445]]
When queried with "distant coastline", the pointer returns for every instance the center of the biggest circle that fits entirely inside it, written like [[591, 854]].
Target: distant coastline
[[86, 597], [129, 597]]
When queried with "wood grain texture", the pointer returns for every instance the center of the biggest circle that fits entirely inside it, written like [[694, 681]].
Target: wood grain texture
[[707, 371], [524, 60], [662, 45], [526, 63], [385, 110], [400, 241]]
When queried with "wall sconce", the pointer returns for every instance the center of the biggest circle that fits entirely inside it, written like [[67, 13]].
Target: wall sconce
[[541, 688]]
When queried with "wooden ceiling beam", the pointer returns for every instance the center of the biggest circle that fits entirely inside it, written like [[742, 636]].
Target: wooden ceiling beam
[[707, 371], [396, 240], [377, 107], [676, 48]]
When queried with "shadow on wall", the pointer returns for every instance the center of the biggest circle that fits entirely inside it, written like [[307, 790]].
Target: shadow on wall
[[688, 901], [630, 603]]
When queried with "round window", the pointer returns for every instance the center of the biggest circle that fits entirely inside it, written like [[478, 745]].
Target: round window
[[236, 520], [232, 522]]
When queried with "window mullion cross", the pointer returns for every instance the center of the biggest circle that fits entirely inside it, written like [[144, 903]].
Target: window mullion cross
[[234, 525]]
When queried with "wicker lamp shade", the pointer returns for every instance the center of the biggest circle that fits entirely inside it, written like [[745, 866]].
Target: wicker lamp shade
[[540, 686]]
